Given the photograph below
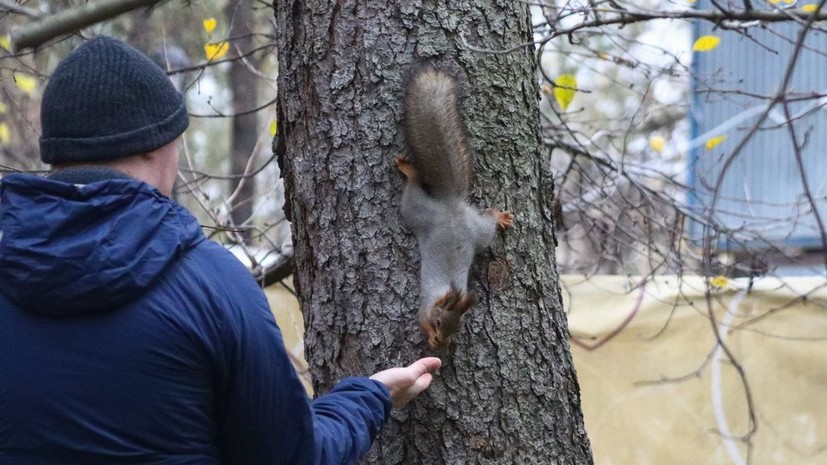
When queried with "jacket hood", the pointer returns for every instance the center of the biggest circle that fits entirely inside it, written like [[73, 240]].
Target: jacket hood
[[72, 249]]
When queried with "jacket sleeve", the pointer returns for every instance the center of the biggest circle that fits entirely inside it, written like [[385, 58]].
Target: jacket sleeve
[[347, 419], [266, 416]]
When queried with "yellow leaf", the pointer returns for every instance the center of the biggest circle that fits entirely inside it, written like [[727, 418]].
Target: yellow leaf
[[274, 128], [564, 89], [706, 43], [26, 83], [657, 143], [3, 108], [809, 8], [210, 24], [714, 142], [216, 51], [5, 42], [719, 281], [5, 134]]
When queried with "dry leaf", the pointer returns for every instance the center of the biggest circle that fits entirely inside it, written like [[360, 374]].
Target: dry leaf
[[564, 89], [719, 281], [26, 83], [5, 134], [216, 51], [657, 143], [714, 142], [706, 43], [210, 24]]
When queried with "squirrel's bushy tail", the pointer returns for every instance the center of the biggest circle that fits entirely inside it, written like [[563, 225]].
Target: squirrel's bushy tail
[[436, 134]]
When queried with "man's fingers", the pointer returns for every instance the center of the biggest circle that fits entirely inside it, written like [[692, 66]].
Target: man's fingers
[[425, 365], [406, 383], [418, 387], [422, 383]]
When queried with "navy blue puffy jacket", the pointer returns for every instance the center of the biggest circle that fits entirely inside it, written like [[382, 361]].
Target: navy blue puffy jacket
[[126, 337]]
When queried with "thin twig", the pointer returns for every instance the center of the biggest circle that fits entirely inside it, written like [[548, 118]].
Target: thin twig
[[20, 9]]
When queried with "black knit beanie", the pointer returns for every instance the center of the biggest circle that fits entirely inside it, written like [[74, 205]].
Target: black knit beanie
[[106, 100]]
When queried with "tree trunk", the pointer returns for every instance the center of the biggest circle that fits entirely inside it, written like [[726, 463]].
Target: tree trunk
[[243, 84], [507, 392]]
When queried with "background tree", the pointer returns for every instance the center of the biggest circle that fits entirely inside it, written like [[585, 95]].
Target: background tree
[[507, 392], [242, 81]]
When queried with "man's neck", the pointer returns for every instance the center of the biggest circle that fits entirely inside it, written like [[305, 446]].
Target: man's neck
[[86, 174]]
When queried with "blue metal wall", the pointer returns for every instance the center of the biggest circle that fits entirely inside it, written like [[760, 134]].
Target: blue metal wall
[[762, 191]]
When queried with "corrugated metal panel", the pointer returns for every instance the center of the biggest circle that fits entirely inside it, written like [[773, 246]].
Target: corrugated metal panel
[[762, 191]]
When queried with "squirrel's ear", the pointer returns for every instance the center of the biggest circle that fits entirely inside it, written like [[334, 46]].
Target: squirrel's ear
[[466, 301], [447, 301]]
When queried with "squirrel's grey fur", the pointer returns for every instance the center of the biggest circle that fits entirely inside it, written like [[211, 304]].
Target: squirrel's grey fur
[[440, 171]]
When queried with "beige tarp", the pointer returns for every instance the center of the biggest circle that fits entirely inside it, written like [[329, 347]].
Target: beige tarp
[[285, 307], [661, 391], [658, 389]]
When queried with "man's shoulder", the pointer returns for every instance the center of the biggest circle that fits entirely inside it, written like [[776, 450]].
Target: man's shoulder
[[210, 268], [209, 255], [208, 281]]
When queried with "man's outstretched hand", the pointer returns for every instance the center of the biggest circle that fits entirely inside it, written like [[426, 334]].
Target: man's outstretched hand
[[405, 383]]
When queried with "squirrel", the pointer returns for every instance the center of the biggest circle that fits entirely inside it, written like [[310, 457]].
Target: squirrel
[[439, 172]]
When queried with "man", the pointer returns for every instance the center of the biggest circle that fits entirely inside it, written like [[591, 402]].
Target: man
[[126, 337]]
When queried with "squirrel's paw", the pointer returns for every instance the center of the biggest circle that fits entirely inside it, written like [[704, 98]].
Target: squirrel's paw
[[405, 166], [504, 219]]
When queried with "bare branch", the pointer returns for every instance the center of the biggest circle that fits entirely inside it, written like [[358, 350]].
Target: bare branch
[[730, 19], [802, 171], [232, 115], [35, 34]]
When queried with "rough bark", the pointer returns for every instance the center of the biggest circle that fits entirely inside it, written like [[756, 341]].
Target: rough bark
[[507, 393], [244, 133]]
